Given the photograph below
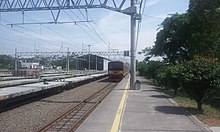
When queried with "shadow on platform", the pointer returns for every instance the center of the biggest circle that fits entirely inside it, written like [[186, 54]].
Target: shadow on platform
[[159, 96], [171, 110]]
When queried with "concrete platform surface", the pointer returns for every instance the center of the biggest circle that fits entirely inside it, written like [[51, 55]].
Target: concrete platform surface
[[11, 78], [10, 92], [145, 110], [19, 90], [215, 129], [17, 82]]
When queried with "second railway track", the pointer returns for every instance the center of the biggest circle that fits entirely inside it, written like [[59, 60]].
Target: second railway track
[[71, 119], [44, 111]]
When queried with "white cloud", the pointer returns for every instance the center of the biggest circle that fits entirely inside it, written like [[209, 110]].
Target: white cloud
[[167, 14], [151, 2], [146, 39], [117, 29], [114, 22]]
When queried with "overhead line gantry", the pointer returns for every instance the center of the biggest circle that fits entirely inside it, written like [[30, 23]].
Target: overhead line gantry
[[47, 54], [58, 5]]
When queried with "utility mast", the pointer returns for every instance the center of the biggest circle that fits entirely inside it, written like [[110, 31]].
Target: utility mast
[[56, 5], [89, 58], [133, 50]]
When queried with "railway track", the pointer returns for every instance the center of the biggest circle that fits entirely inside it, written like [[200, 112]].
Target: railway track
[[73, 118]]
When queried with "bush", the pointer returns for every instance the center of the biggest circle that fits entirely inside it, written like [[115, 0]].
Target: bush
[[161, 78], [172, 75], [152, 69], [200, 78], [141, 67]]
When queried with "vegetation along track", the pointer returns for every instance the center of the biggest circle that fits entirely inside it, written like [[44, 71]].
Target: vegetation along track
[[70, 120]]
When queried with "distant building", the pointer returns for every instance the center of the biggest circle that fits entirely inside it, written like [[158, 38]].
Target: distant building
[[96, 62], [30, 65]]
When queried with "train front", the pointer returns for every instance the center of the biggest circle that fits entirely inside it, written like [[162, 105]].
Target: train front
[[115, 71]]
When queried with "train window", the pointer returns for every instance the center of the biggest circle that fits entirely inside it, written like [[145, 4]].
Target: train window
[[115, 66]]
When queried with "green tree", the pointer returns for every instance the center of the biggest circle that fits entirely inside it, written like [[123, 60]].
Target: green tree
[[6, 62], [141, 67], [172, 40], [197, 32], [172, 75], [161, 77], [204, 27], [199, 78], [152, 68]]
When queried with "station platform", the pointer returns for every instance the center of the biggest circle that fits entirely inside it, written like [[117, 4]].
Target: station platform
[[11, 92], [11, 78], [17, 82], [144, 110]]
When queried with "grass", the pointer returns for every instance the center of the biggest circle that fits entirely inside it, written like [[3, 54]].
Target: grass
[[210, 115]]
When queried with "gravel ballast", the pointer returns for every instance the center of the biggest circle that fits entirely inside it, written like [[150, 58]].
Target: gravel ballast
[[33, 116]]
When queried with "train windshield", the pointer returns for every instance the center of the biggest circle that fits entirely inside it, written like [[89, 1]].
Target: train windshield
[[115, 66]]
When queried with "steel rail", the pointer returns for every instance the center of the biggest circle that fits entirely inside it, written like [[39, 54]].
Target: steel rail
[[71, 120]]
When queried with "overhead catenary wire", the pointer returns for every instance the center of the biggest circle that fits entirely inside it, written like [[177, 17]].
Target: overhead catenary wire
[[23, 32], [91, 29], [15, 41], [107, 43], [77, 47], [47, 35], [99, 29], [7, 47], [156, 17], [82, 28], [10, 40], [52, 38], [139, 22]]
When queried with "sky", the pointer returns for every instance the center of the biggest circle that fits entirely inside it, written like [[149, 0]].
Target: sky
[[104, 27]]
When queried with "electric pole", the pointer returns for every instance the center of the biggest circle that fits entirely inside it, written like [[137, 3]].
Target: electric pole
[[89, 59], [68, 60], [82, 48], [133, 50], [16, 63], [109, 51], [96, 62]]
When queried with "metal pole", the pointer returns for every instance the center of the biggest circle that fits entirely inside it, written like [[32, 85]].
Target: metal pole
[[109, 51], [76, 63], [96, 63], [89, 58], [16, 63], [82, 48], [133, 65], [68, 61]]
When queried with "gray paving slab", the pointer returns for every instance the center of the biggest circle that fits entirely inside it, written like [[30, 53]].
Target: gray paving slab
[[17, 82], [102, 118], [15, 91], [161, 116], [102, 122], [215, 129], [11, 78], [146, 110], [149, 110]]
